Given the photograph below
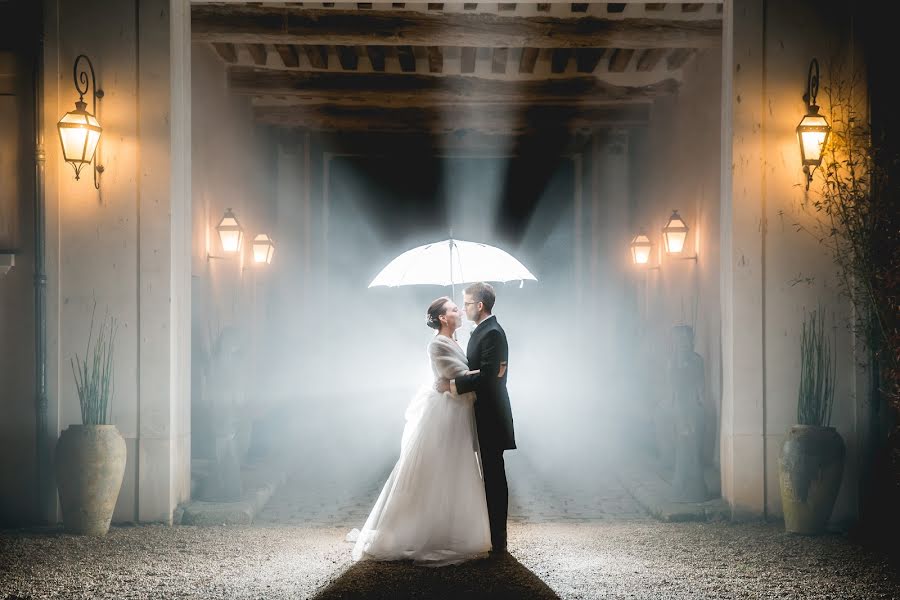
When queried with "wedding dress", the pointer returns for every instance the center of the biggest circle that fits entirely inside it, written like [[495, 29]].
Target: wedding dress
[[432, 509]]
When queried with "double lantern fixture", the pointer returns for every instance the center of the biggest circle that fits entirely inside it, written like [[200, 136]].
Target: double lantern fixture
[[674, 237], [231, 236]]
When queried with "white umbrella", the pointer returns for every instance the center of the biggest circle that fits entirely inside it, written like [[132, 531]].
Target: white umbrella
[[451, 262]]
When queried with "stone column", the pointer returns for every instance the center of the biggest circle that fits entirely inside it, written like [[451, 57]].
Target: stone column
[[741, 248], [611, 336], [164, 268], [294, 231]]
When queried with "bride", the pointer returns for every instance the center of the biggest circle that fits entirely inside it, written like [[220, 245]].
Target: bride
[[432, 509]]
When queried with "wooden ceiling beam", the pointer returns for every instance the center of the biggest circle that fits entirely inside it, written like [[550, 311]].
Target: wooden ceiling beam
[[528, 60], [400, 89], [226, 51], [435, 59], [586, 59], [376, 57], [289, 56], [493, 119], [619, 59], [407, 59], [348, 57], [462, 142], [648, 59], [258, 53], [282, 25], [317, 55], [498, 60], [467, 60], [677, 58], [560, 60]]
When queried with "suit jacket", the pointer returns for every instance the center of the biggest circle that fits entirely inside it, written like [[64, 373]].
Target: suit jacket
[[486, 351]]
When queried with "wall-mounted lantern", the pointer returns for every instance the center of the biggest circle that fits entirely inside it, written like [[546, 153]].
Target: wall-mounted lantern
[[231, 234], [813, 130], [640, 249], [79, 130], [263, 249], [675, 235]]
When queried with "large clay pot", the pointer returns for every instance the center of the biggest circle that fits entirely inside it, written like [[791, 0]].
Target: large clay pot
[[90, 465], [811, 466]]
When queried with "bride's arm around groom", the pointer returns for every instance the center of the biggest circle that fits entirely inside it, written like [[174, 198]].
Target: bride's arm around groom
[[485, 378]]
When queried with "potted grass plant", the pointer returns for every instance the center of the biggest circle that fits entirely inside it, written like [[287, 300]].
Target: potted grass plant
[[90, 457], [811, 464]]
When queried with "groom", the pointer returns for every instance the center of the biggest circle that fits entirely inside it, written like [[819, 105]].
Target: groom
[[488, 353]]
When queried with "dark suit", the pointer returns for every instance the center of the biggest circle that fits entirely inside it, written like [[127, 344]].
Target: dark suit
[[487, 351]]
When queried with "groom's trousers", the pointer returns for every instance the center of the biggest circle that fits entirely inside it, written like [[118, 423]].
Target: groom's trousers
[[497, 494]]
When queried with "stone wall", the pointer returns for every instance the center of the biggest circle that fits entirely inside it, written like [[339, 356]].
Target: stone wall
[[772, 274], [125, 246], [233, 166], [675, 165]]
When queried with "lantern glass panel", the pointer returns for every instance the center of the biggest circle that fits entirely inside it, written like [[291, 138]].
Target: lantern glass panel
[[813, 132], [675, 241], [79, 133], [231, 240], [263, 249], [640, 250], [675, 234], [230, 233]]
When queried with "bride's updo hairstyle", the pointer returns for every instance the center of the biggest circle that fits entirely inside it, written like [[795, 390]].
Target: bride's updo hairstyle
[[437, 308]]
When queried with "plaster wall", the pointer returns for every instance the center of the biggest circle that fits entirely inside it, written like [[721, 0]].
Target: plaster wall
[[675, 165], [233, 166], [125, 246], [771, 273]]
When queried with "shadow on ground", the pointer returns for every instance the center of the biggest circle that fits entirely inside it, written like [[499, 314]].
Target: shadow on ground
[[502, 577]]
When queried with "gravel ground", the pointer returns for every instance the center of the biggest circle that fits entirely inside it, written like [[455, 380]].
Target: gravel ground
[[569, 537], [601, 559]]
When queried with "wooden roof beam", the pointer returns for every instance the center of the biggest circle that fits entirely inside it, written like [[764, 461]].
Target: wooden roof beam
[[401, 89], [494, 119], [282, 25]]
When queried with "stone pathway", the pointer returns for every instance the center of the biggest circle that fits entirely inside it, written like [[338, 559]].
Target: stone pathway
[[344, 499]]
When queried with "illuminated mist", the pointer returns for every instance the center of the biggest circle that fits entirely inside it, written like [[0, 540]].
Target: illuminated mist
[[341, 374]]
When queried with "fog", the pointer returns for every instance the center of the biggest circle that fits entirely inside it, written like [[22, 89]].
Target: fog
[[339, 375]]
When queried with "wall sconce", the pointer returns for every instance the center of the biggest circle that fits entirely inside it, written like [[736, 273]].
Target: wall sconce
[[640, 250], [263, 249], [231, 234], [813, 130], [675, 235], [79, 130]]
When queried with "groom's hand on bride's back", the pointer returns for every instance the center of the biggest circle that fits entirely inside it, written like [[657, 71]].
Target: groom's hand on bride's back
[[442, 385]]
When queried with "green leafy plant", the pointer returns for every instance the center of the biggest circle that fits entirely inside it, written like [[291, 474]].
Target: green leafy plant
[[817, 373], [94, 379], [856, 220]]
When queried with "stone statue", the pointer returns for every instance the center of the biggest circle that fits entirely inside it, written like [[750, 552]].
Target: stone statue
[[225, 400], [686, 381]]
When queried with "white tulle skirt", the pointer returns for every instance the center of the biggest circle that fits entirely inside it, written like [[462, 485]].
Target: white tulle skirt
[[432, 509]]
